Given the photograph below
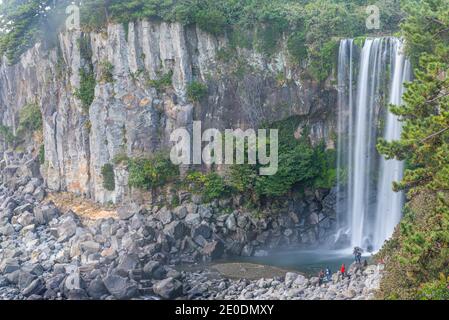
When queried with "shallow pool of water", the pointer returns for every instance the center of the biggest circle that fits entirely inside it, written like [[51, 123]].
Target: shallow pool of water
[[309, 262]]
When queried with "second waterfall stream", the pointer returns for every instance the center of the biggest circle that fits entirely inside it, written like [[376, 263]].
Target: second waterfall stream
[[370, 78]]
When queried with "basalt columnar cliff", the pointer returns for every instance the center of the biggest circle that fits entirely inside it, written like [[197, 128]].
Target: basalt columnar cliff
[[127, 116]]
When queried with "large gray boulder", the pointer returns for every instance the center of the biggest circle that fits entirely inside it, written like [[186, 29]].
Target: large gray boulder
[[202, 230], [97, 289], [154, 270], [176, 229], [46, 213], [231, 223], [127, 263], [164, 215], [126, 212], [168, 288], [120, 287], [214, 250], [67, 227]]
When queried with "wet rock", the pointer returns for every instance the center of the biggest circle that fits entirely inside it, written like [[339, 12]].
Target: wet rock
[[247, 250]]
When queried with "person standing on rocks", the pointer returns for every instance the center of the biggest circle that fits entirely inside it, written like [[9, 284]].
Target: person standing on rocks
[[321, 277], [328, 274], [343, 271], [358, 255]]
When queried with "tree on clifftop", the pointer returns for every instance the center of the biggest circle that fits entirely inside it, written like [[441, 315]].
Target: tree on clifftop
[[419, 251]]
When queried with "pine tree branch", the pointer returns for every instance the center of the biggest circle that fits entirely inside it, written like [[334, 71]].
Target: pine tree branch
[[437, 98], [434, 135]]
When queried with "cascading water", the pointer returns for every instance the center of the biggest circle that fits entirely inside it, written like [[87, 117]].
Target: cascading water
[[389, 205], [368, 208]]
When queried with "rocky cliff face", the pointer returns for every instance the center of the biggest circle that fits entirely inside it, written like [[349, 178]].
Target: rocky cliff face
[[130, 117]]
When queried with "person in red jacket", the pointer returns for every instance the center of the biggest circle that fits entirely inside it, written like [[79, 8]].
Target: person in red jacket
[[343, 271]]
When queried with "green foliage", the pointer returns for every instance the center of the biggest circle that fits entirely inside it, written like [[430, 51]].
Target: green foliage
[[211, 185], [295, 167], [94, 14], [25, 22], [359, 41], [300, 165], [297, 46], [153, 172], [42, 154], [85, 48], [323, 59], [196, 91], [212, 21], [30, 119], [6, 134], [242, 178], [86, 91], [419, 251], [435, 290], [106, 72], [120, 158], [107, 171], [310, 26], [164, 82]]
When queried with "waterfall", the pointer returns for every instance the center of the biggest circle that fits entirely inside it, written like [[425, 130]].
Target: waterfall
[[388, 211], [368, 209]]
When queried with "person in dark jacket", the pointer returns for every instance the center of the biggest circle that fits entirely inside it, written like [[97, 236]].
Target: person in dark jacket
[[328, 274], [358, 255], [321, 277]]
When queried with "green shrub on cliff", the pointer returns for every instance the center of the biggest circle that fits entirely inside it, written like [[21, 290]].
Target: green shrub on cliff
[[152, 172], [210, 185], [42, 154], [196, 91], [107, 171], [106, 72], [6, 134], [30, 119], [301, 165], [165, 81], [86, 91]]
